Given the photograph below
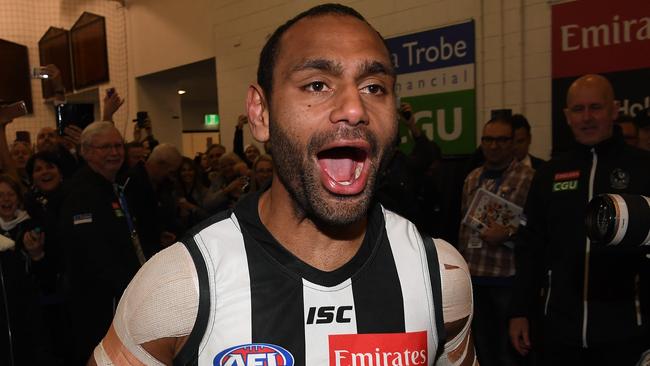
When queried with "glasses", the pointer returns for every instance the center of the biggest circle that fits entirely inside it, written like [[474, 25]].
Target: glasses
[[108, 147], [502, 140]]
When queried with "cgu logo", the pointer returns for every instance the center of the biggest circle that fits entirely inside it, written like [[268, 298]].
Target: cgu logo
[[327, 314], [441, 129], [570, 185], [255, 354]]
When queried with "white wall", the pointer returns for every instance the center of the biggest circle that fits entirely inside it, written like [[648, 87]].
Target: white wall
[[25, 22], [162, 107], [513, 46], [194, 112], [163, 34]]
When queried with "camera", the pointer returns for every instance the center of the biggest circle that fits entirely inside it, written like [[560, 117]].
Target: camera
[[11, 111], [619, 220], [247, 184], [141, 118], [78, 114], [404, 113], [40, 72]]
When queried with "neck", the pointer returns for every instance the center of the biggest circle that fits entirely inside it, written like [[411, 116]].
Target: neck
[[497, 166], [325, 248]]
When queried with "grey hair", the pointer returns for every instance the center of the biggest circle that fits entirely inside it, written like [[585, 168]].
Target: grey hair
[[92, 130], [165, 153]]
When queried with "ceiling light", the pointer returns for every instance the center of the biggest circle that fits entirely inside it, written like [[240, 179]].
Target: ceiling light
[[181, 91]]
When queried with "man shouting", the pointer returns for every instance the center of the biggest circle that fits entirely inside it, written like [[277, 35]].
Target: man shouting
[[311, 271]]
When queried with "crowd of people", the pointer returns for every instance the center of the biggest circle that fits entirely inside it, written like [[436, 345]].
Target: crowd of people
[[82, 212]]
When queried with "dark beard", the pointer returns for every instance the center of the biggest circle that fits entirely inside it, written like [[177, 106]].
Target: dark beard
[[300, 176]]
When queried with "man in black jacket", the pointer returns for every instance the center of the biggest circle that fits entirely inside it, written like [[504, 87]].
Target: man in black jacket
[[149, 192], [596, 306], [101, 248]]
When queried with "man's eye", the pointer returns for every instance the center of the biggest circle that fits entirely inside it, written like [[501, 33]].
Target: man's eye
[[316, 86], [373, 89]]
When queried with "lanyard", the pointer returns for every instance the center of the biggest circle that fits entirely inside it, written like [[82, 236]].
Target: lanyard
[[129, 221], [125, 208], [497, 182]]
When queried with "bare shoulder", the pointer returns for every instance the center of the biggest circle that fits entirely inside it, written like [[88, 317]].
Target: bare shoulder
[[457, 306], [156, 312]]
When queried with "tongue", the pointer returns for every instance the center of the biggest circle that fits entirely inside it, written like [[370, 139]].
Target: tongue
[[341, 170]]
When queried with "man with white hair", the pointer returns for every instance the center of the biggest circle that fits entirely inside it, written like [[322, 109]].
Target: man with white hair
[[149, 191], [102, 250]]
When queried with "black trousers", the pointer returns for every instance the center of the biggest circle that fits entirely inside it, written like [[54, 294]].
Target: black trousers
[[490, 326]]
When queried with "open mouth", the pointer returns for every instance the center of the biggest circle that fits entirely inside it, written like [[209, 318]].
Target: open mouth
[[7, 207], [344, 169], [46, 179]]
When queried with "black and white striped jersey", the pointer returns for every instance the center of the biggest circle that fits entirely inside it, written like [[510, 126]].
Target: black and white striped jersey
[[260, 305]]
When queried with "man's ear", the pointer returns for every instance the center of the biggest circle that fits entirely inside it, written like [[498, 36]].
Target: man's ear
[[258, 113]]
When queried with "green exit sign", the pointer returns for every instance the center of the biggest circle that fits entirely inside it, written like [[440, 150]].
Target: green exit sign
[[211, 120]]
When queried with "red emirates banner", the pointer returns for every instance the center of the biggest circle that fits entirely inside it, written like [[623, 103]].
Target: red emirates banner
[[600, 36], [607, 37]]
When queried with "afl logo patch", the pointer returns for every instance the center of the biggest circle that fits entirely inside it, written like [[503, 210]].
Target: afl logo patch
[[619, 179], [254, 354]]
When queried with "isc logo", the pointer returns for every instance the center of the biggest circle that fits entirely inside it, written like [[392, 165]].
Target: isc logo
[[255, 354], [327, 314]]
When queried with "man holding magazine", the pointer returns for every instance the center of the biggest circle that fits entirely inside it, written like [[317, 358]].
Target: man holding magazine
[[493, 196]]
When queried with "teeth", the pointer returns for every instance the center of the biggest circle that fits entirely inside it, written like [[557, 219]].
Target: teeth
[[357, 170], [357, 174]]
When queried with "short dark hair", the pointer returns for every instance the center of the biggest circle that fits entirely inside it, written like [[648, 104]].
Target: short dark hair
[[132, 145], [46, 156], [272, 47], [503, 120], [519, 121]]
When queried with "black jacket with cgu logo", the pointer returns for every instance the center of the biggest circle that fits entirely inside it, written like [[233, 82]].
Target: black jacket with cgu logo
[[589, 294]]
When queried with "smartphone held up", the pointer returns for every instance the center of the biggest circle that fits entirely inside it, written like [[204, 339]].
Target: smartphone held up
[[40, 72], [10, 111]]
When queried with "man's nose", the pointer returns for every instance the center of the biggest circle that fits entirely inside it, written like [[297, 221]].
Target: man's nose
[[587, 114], [349, 107]]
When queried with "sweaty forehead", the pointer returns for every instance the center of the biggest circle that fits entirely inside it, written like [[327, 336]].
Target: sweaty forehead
[[342, 39]]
